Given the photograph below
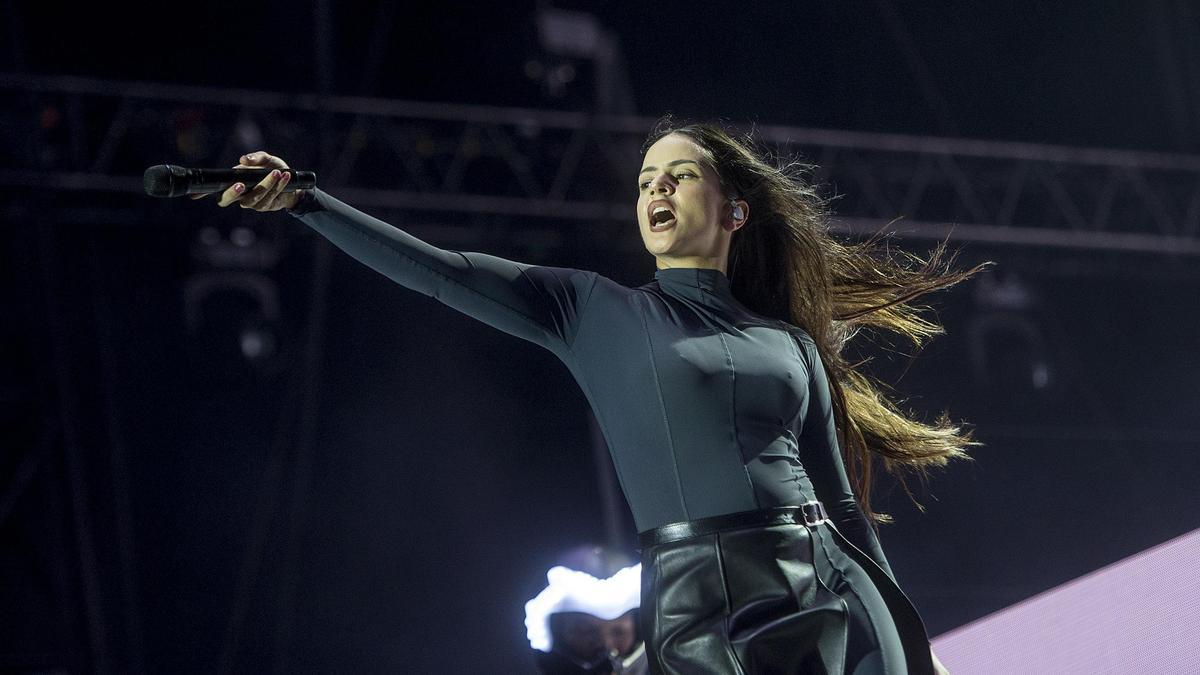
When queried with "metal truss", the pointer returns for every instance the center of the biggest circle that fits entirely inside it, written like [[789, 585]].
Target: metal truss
[[96, 135]]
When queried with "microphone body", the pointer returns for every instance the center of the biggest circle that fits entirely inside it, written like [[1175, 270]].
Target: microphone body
[[168, 180]]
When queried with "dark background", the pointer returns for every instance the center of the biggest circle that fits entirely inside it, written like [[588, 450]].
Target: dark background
[[384, 490]]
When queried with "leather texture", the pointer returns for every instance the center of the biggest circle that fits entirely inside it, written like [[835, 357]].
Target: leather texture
[[758, 599]]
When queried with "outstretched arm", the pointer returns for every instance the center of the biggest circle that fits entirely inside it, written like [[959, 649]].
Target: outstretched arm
[[540, 304]]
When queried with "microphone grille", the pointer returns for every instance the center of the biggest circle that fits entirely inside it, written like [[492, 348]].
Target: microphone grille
[[159, 181]]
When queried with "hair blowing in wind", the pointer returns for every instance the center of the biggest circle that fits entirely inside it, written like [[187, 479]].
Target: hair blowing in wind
[[784, 264]]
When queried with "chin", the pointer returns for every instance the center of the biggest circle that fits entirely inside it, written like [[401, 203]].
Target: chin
[[652, 245], [657, 247]]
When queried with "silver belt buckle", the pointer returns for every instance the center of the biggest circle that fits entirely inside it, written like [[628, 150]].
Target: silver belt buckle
[[814, 513]]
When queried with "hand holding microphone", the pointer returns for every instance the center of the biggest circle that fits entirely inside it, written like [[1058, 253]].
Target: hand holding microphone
[[272, 193]]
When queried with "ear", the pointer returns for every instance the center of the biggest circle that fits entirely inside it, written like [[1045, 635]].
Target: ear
[[739, 213]]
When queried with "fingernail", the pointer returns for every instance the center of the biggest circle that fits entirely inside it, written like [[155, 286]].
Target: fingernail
[[275, 173], [239, 187]]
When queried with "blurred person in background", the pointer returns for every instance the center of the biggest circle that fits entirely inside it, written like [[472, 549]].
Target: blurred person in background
[[585, 621], [743, 438]]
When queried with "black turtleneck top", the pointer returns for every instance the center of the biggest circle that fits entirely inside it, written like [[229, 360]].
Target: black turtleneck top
[[707, 408]]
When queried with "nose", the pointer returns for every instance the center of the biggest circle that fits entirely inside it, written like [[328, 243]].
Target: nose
[[662, 183]]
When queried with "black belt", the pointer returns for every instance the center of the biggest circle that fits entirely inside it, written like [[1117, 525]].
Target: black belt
[[809, 513]]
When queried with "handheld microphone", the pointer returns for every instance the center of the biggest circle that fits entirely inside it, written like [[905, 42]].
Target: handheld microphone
[[168, 180]]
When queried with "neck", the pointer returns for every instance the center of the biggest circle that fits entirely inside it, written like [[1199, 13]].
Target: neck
[[692, 263]]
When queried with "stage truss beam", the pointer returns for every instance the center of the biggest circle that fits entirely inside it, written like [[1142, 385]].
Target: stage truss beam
[[97, 135]]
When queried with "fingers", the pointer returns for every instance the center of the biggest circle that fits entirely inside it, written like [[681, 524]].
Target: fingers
[[231, 194], [262, 197], [270, 201], [258, 158], [265, 195]]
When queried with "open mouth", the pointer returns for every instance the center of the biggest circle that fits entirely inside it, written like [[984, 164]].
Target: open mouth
[[661, 219]]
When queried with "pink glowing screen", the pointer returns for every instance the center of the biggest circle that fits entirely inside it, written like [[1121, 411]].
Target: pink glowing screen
[[1138, 615]]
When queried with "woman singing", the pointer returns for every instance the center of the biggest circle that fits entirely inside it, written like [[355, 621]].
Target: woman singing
[[723, 395]]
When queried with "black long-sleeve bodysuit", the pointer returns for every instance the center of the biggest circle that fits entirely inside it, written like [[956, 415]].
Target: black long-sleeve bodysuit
[[707, 408]]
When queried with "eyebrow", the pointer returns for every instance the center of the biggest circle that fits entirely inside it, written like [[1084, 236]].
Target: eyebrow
[[670, 164]]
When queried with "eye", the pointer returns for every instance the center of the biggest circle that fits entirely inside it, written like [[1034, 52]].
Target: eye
[[681, 174], [643, 185]]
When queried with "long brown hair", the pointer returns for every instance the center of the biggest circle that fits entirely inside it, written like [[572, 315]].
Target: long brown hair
[[784, 264]]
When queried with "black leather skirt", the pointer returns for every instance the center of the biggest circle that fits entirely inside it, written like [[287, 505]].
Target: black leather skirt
[[773, 591]]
